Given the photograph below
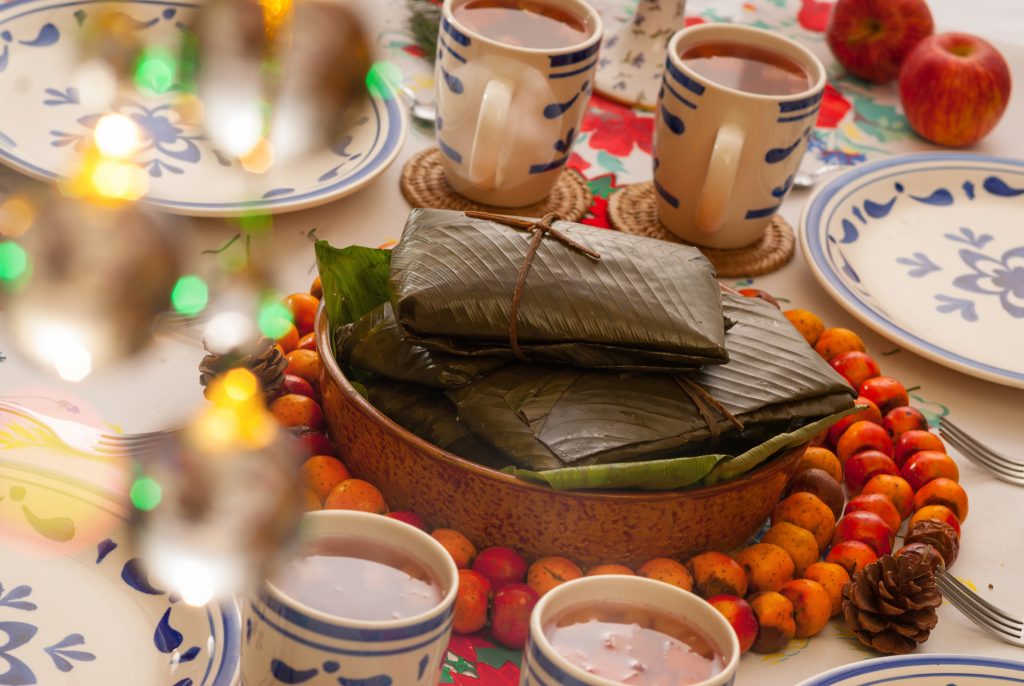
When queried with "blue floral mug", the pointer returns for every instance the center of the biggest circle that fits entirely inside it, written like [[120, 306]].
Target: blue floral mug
[[724, 159], [287, 642], [507, 116]]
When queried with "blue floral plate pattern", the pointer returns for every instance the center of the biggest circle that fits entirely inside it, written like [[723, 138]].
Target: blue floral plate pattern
[[45, 117], [76, 606], [924, 670], [928, 251]]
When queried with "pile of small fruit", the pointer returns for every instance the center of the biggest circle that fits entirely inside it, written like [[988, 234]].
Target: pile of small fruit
[[883, 456]]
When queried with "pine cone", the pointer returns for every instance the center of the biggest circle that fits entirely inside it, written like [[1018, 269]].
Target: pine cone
[[940, 535], [890, 604], [264, 360]]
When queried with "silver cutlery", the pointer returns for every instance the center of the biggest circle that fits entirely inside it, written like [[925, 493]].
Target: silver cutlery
[[1002, 467], [997, 622]]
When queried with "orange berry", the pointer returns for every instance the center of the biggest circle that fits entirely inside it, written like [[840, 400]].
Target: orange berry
[[795, 540], [768, 566], [807, 323], [457, 545], [610, 569], [304, 364], [289, 340], [307, 342], [837, 341], [817, 457], [832, 578], [943, 491], [895, 488], [470, 602], [548, 572], [310, 500], [316, 289], [812, 606], [808, 511], [667, 570], [293, 409], [303, 308], [356, 494], [321, 473]]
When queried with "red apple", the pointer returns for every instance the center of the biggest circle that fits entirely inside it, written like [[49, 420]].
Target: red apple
[[914, 441], [954, 88], [926, 465], [871, 38], [312, 442], [740, 615], [861, 466], [856, 367], [410, 518], [863, 436], [510, 616], [866, 527], [886, 392], [299, 386], [870, 413], [900, 420], [880, 505], [501, 566]]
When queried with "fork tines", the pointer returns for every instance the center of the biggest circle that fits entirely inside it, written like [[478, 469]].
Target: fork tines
[[1001, 467], [995, 621]]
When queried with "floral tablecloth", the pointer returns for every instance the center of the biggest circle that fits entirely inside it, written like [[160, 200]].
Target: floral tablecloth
[[856, 122]]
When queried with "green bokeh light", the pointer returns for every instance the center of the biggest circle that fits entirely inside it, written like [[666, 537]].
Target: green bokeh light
[[13, 261], [274, 318], [190, 295], [383, 79], [156, 70], [146, 493]]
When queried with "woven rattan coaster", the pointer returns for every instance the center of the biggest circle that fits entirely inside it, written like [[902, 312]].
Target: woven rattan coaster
[[634, 209], [424, 185]]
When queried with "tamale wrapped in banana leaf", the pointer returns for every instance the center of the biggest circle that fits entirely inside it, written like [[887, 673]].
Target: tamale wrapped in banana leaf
[[644, 304], [545, 417], [375, 343], [427, 413]]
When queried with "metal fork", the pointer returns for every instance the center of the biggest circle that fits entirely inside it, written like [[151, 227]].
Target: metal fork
[[87, 439], [995, 621], [1002, 467]]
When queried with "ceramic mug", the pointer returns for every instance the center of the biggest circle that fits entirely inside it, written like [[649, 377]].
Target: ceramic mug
[[724, 159], [287, 642], [543, 666], [507, 116]]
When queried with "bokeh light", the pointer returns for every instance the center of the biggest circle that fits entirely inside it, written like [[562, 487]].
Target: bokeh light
[[13, 261], [64, 348], [156, 70], [145, 493], [383, 79], [116, 136], [16, 217], [190, 295], [274, 318]]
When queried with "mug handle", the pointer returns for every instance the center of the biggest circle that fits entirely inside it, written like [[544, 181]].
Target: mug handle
[[495, 107], [725, 162]]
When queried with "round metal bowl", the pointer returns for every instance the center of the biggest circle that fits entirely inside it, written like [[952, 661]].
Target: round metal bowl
[[492, 508]]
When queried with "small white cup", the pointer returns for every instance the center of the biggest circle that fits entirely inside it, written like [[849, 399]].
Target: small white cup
[[724, 159], [507, 116], [287, 642], [544, 666]]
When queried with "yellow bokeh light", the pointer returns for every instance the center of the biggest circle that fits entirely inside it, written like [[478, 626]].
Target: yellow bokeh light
[[241, 385], [259, 159], [16, 217], [275, 13], [237, 417], [118, 180], [117, 136]]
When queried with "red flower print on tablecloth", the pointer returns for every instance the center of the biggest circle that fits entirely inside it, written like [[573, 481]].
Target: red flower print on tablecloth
[[616, 128], [578, 163], [813, 15], [833, 108], [465, 645], [508, 675]]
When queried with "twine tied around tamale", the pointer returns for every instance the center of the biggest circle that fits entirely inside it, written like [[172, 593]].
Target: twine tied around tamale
[[539, 229], [705, 402]]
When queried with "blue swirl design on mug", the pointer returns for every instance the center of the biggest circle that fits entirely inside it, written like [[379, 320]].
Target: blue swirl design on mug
[[453, 82], [451, 51], [788, 108], [456, 35], [776, 155]]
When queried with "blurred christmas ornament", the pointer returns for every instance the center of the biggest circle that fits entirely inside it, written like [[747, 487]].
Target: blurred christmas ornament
[[633, 60], [278, 79], [218, 503], [83, 272]]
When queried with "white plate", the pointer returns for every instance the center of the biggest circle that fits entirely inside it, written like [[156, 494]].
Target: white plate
[[42, 120], [928, 250], [76, 609], [924, 670]]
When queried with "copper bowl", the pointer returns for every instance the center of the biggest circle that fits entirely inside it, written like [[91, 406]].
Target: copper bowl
[[491, 508]]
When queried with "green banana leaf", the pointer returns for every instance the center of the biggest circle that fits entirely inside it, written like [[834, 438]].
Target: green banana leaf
[[673, 473], [645, 304], [354, 281], [376, 344]]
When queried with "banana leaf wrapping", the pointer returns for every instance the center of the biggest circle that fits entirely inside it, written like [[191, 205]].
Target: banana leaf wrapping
[[375, 343], [645, 304], [545, 418], [427, 413]]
